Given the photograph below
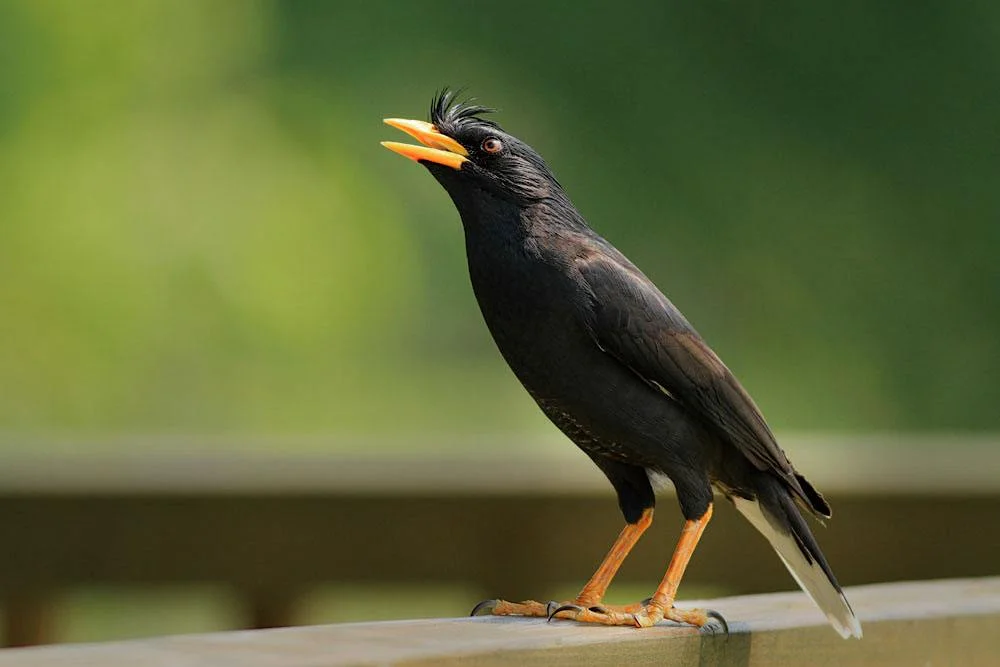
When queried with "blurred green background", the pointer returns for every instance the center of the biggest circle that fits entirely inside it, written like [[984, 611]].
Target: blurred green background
[[199, 233]]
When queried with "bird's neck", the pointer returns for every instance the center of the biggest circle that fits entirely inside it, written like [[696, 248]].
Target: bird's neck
[[511, 249]]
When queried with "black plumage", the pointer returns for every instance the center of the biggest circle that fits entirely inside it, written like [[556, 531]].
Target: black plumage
[[610, 360]]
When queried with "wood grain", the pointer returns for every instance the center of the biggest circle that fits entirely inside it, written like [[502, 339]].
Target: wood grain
[[949, 622]]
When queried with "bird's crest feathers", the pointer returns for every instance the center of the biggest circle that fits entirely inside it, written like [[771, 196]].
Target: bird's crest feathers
[[448, 111]]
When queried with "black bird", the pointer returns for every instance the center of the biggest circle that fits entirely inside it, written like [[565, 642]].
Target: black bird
[[616, 367]]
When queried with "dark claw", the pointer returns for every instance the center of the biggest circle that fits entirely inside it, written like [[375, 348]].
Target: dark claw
[[565, 607], [488, 605], [711, 613], [599, 609]]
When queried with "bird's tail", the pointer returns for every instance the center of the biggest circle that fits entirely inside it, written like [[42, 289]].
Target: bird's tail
[[775, 515]]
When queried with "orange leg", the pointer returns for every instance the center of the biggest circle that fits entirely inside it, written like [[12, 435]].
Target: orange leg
[[587, 607], [593, 591], [661, 604], [690, 536]]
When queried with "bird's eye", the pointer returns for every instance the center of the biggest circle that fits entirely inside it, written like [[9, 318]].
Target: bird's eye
[[492, 145]]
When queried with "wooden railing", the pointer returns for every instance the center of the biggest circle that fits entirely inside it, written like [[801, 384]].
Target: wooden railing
[[273, 528], [927, 623]]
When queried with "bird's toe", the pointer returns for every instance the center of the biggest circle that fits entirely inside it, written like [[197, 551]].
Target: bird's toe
[[504, 608], [573, 610], [712, 614], [649, 616], [696, 617], [485, 607]]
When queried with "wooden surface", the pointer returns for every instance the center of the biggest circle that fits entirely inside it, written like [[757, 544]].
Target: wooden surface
[[924, 623]]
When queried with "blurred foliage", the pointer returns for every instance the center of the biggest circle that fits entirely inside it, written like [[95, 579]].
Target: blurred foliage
[[200, 233]]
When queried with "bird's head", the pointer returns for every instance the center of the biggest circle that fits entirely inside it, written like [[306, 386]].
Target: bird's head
[[472, 156]]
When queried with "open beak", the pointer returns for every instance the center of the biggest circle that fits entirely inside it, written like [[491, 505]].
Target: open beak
[[437, 148]]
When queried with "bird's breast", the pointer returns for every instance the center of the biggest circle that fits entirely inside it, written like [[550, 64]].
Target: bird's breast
[[536, 314], [532, 310]]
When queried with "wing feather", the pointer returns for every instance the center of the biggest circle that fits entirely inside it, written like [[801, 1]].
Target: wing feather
[[634, 322]]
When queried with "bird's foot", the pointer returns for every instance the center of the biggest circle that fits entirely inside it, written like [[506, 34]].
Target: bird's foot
[[549, 609], [504, 608], [640, 616]]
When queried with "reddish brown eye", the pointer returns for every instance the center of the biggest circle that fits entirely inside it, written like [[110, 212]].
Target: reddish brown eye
[[492, 145]]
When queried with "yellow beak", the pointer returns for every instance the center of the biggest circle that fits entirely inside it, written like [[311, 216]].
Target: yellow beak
[[437, 147]]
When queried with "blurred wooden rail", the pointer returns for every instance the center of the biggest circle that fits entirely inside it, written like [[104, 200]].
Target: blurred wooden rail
[[922, 623], [274, 527]]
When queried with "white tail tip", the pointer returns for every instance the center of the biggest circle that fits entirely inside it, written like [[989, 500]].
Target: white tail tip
[[809, 576]]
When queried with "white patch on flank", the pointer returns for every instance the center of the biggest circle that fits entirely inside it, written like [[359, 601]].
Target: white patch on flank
[[809, 576], [658, 480], [660, 387]]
